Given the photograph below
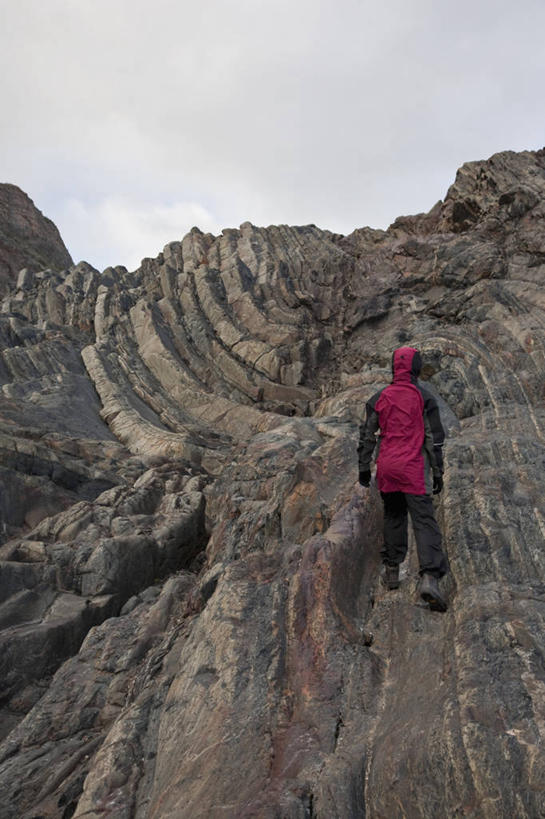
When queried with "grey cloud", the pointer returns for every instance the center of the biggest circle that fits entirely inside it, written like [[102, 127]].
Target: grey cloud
[[340, 113]]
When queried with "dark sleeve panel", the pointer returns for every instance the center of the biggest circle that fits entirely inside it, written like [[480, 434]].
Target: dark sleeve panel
[[431, 410], [368, 431]]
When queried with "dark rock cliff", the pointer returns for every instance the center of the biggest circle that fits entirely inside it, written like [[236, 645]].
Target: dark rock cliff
[[27, 238], [191, 613]]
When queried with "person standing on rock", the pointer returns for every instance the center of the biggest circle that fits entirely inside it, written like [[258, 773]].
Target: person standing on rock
[[409, 469]]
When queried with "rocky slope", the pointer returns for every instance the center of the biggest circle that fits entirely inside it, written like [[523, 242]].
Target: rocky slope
[[192, 618], [27, 238]]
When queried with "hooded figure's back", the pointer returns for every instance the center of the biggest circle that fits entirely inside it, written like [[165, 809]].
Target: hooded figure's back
[[400, 410]]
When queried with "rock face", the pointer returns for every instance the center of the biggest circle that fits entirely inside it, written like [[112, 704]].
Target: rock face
[[192, 618], [27, 238]]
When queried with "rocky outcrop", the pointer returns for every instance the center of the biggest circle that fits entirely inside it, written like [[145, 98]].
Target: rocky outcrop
[[193, 623], [29, 242]]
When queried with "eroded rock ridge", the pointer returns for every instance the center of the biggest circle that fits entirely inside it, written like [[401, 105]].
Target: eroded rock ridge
[[192, 621], [28, 240]]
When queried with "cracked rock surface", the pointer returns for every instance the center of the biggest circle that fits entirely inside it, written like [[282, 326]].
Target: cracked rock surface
[[192, 621], [29, 242]]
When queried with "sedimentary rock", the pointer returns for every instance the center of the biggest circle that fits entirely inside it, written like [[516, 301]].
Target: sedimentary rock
[[193, 623], [29, 242]]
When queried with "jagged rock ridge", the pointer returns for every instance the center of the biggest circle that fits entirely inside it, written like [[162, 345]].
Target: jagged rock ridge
[[27, 238], [189, 572]]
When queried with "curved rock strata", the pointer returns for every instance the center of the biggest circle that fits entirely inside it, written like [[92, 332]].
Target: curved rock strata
[[191, 615]]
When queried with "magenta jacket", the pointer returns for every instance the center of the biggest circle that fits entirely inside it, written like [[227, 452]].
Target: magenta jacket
[[411, 435]]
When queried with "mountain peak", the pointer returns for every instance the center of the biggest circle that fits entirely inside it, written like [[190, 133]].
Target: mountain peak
[[27, 237]]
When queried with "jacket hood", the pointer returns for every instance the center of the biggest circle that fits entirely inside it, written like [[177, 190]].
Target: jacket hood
[[406, 365]]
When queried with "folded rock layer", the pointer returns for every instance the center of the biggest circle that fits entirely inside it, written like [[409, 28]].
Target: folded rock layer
[[192, 622]]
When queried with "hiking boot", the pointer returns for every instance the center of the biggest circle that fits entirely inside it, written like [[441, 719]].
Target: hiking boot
[[429, 591], [390, 578]]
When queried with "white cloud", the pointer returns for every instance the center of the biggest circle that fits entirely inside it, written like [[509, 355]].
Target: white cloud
[[338, 112], [128, 232]]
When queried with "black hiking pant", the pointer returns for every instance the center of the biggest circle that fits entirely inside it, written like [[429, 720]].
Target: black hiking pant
[[426, 532]]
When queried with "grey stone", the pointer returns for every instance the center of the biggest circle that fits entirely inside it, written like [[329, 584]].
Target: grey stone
[[27, 240], [191, 616]]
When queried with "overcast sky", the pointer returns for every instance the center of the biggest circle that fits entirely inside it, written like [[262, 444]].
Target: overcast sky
[[129, 121]]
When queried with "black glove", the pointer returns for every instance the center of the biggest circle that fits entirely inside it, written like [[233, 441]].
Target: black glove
[[365, 477], [437, 484]]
